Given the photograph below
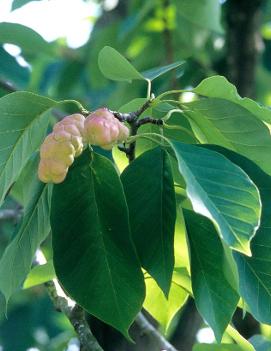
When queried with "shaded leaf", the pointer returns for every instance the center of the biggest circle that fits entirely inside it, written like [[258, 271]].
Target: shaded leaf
[[91, 241], [26, 38], [149, 190], [16, 261], [206, 13], [260, 343], [213, 288], [11, 71]]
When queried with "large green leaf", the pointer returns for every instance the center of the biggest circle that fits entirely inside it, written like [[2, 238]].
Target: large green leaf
[[229, 121], [255, 271], [205, 13], [92, 243], [161, 308], [116, 67], [149, 190], [23, 126], [16, 261], [26, 38], [212, 280], [221, 191]]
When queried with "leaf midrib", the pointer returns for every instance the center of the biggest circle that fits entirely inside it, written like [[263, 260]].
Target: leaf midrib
[[103, 243]]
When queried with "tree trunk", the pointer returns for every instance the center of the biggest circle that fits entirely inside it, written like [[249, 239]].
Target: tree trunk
[[243, 43]]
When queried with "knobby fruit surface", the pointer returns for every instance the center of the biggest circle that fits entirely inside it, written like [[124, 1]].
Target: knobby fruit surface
[[70, 135], [103, 129], [60, 148]]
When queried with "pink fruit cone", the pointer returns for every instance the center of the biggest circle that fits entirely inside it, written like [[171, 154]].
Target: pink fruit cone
[[104, 130]]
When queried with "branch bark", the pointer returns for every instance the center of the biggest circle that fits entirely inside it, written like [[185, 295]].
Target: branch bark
[[76, 316], [146, 329], [243, 43]]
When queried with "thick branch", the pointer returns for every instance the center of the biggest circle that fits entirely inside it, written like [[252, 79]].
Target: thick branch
[[243, 43], [147, 329], [76, 316], [146, 120]]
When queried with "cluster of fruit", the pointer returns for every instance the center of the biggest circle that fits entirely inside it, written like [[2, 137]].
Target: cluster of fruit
[[70, 135]]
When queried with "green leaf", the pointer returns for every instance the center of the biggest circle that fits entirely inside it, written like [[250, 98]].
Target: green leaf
[[215, 297], [26, 38], [206, 13], [214, 347], [11, 71], [220, 87], [23, 126], [149, 190], [221, 191], [161, 308], [255, 271], [156, 72], [229, 121], [40, 274], [16, 261], [132, 105], [116, 67], [16, 4], [182, 278], [260, 343], [92, 243]]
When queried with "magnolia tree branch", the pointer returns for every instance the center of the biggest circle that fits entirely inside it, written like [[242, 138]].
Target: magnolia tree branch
[[147, 329], [132, 118], [75, 314]]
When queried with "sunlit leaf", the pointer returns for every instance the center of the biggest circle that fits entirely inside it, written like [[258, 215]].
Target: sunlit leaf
[[156, 72], [229, 121], [40, 274], [255, 271], [161, 308], [221, 191], [115, 66]]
